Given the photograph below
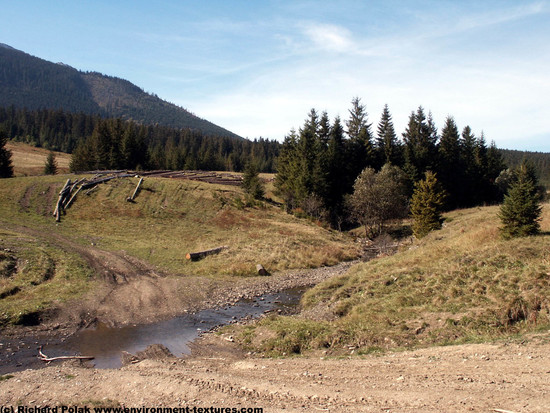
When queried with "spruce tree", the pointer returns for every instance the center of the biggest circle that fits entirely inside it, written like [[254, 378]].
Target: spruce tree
[[420, 144], [252, 183], [521, 209], [360, 148], [337, 182], [6, 167], [387, 145], [50, 167], [449, 168], [287, 170], [307, 180], [426, 205]]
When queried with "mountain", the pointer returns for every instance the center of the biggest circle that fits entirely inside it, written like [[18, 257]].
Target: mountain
[[34, 83]]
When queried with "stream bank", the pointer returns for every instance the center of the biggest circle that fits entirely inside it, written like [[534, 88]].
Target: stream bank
[[224, 304]]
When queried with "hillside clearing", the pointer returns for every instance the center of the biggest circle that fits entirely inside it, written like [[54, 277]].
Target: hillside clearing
[[458, 285], [30, 161]]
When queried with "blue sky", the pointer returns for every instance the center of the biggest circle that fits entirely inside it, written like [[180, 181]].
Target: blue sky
[[258, 67]]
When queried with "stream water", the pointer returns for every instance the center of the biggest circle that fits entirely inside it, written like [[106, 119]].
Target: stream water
[[106, 344]]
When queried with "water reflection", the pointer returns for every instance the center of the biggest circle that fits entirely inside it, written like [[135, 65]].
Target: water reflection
[[106, 344]]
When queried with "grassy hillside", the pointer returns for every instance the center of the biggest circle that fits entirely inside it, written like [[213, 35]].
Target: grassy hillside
[[168, 219], [460, 284], [28, 160]]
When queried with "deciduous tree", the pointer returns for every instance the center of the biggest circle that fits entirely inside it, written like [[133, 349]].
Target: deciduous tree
[[378, 198]]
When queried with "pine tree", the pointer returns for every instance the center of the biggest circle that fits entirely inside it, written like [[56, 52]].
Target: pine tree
[[426, 205], [6, 167], [449, 168], [252, 183], [50, 167], [420, 144], [360, 148], [521, 209], [387, 145]]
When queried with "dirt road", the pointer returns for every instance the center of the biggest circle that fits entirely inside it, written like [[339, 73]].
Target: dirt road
[[506, 377]]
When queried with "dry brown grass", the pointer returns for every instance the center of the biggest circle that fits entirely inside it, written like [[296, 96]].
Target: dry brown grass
[[463, 283], [29, 161]]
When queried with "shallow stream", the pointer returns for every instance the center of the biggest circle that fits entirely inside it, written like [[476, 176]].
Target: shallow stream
[[106, 344]]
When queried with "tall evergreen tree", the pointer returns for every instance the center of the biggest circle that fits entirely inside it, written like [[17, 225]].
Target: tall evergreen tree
[[387, 144], [288, 170], [420, 144], [337, 179], [308, 150], [472, 175], [324, 130], [101, 142], [449, 168], [495, 162], [6, 166], [360, 147]]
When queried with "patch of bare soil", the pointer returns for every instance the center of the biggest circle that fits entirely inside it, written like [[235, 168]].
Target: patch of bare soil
[[506, 377]]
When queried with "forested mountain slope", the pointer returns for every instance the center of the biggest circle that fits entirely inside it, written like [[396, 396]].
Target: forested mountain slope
[[30, 82]]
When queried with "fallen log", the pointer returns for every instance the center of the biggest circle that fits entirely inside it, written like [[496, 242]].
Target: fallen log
[[194, 256], [45, 358], [131, 198], [89, 191], [62, 195], [73, 197], [261, 270]]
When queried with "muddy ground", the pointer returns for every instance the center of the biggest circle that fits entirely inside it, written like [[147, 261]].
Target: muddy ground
[[510, 376], [505, 377]]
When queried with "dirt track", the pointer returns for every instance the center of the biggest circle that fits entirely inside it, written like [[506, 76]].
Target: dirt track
[[480, 378]]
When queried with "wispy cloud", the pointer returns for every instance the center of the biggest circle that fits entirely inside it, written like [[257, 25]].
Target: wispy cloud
[[496, 17], [329, 37]]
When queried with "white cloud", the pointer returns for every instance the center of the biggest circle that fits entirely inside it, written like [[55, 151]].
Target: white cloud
[[329, 37]]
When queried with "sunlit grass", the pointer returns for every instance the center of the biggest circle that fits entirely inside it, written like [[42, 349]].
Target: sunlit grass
[[462, 283], [168, 219]]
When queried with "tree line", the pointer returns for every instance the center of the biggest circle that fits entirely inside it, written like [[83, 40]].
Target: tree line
[[98, 143], [318, 165]]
